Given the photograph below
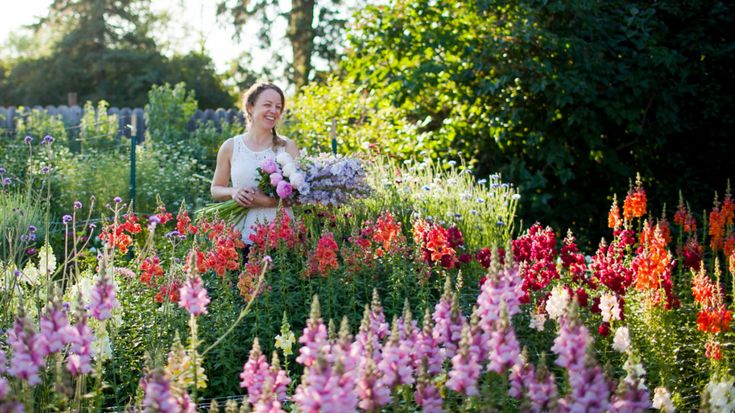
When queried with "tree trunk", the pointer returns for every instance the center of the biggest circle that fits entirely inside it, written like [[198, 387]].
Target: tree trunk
[[301, 35]]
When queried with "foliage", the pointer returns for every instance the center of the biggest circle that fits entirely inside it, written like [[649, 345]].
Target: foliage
[[97, 129], [363, 122], [168, 112], [567, 100], [208, 137], [37, 124]]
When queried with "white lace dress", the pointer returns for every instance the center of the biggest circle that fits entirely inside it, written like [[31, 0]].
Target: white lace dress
[[243, 173]]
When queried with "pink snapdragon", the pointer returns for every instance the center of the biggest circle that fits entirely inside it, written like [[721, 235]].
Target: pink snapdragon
[[427, 348], [396, 361], [29, 351], [448, 322], [55, 328], [465, 368], [257, 374], [502, 287], [4, 388], [79, 360], [325, 389], [503, 347], [314, 337], [102, 298], [370, 389], [157, 395], [193, 296], [427, 394]]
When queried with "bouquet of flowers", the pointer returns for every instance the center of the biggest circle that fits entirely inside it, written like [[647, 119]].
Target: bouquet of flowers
[[328, 180], [279, 177]]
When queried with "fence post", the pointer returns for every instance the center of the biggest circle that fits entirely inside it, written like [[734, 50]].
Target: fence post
[[333, 135], [133, 140]]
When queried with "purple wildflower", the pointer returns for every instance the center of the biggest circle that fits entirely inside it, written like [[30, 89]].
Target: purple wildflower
[[48, 139], [117, 199], [77, 205], [32, 228], [28, 139], [2, 170], [66, 219], [31, 251], [7, 181], [45, 170]]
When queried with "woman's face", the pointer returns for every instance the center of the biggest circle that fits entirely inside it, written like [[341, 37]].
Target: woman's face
[[267, 109]]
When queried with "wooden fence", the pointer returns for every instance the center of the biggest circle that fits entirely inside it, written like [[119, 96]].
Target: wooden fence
[[131, 121]]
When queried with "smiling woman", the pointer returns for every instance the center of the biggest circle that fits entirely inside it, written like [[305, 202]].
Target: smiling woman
[[240, 156]]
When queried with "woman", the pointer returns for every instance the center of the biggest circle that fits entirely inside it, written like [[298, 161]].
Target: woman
[[240, 156]]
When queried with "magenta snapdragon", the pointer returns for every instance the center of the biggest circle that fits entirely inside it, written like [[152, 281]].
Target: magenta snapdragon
[[193, 296], [103, 297], [323, 389], [370, 390]]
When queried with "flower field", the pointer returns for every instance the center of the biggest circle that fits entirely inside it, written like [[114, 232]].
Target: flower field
[[423, 296]]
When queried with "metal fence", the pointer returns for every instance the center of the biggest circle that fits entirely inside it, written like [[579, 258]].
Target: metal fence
[[131, 121]]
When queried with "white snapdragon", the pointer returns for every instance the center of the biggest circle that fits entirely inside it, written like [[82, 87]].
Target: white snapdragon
[[46, 260], [662, 400], [537, 321], [609, 308], [621, 341], [721, 396], [558, 302]]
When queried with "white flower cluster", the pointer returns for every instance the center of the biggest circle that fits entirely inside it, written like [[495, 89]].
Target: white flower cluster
[[662, 400], [621, 341], [557, 304], [609, 308], [721, 395]]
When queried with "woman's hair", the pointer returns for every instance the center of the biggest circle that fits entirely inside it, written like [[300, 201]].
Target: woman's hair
[[251, 96]]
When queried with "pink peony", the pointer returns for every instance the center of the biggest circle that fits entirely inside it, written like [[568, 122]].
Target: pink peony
[[276, 178], [269, 166], [284, 189]]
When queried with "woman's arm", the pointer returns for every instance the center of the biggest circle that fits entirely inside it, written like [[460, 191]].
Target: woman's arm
[[219, 188]]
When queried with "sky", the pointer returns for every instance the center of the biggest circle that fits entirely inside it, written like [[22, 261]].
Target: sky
[[195, 19]]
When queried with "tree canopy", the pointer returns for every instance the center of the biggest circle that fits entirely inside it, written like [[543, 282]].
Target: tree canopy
[[567, 99]]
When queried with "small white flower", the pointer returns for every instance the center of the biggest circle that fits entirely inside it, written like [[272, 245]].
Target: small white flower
[[482, 181], [297, 179], [452, 163], [557, 304], [721, 396], [46, 260], [516, 197], [481, 200], [662, 400], [289, 169], [537, 321], [30, 275], [609, 308], [621, 341], [284, 158]]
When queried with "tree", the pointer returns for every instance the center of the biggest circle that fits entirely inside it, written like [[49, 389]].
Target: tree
[[314, 30], [104, 51], [567, 99]]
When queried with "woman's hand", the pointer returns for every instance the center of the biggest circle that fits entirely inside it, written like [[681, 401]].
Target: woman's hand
[[262, 200], [243, 196]]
